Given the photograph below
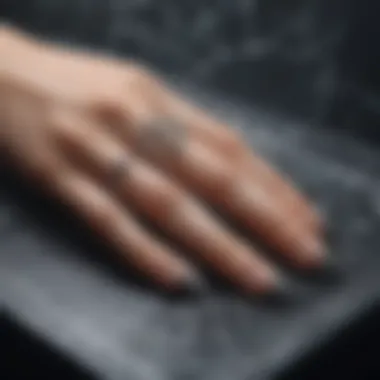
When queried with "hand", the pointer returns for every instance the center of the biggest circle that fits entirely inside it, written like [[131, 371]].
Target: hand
[[108, 139]]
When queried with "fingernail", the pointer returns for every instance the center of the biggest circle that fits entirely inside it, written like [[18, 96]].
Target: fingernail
[[192, 283]]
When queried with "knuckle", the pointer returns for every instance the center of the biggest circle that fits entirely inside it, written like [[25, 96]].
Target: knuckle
[[130, 99], [109, 103], [62, 129]]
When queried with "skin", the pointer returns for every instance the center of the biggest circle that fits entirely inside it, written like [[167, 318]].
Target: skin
[[106, 138]]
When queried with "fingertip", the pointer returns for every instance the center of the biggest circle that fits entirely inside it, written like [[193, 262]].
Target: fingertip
[[309, 252], [260, 282]]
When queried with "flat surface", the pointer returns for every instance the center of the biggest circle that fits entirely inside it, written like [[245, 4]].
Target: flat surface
[[119, 330]]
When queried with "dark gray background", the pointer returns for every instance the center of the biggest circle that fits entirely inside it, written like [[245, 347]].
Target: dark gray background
[[316, 58], [313, 61]]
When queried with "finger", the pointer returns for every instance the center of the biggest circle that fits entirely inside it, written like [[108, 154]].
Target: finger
[[114, 223], [227, 142], [220, 137], [183, 218], [108, 218], [204, 171], [173, 210], [306, 213], [280, 220], [254, 207]]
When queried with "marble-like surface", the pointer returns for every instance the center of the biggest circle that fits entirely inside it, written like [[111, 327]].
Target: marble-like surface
[[51, 281]]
